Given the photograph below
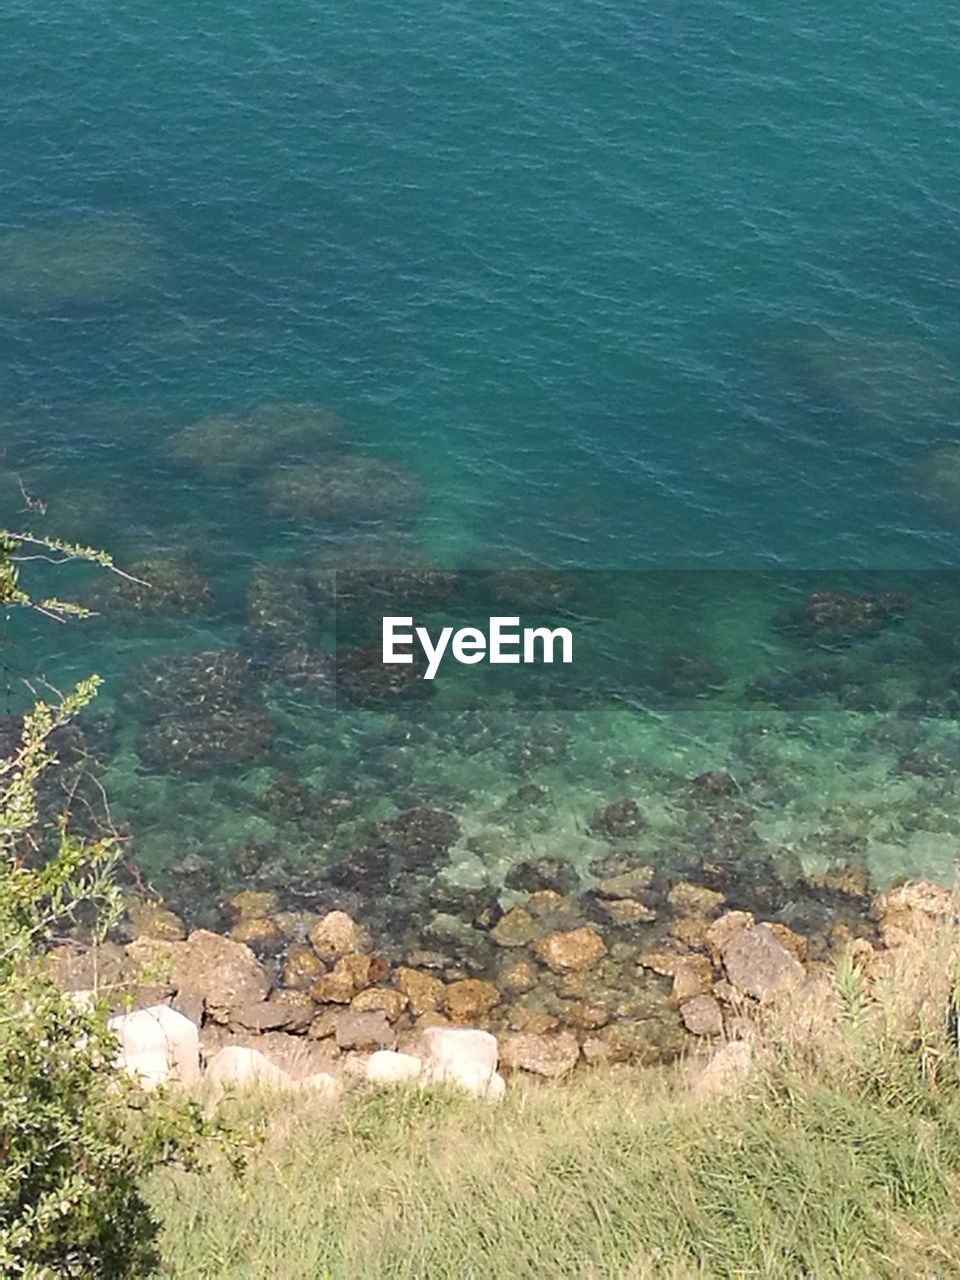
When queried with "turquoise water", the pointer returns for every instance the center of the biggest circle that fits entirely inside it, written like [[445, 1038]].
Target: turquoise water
[[622, 286]]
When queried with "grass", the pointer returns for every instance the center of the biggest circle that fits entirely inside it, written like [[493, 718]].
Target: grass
[[841, 1159]]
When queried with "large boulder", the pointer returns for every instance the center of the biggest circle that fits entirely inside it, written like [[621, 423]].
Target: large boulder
[[459, 1055], [157, 1045], [760, 966], [208, 973]]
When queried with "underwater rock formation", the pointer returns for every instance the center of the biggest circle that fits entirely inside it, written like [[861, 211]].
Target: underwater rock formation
[[204, 743], [279, 605], [246, 439], [205, 682], [885, 382], [156, 586], [365, 680], [831, 618], [349, 489], [79, 264]]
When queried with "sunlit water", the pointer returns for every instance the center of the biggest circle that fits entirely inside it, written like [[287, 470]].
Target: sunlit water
[[618, 286]]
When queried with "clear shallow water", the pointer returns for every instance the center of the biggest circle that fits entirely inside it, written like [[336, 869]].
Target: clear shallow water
[[624, 288]]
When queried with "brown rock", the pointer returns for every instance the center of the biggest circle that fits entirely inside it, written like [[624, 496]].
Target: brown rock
[[365, 1031], [702, 1016], [283, 1011], [694, 977], [727, 1071], [726, 992], [152, 920], [302, 968], [694, 899], [599, 1052], [722, 930], [911, 909], [587, 1014], [544, 1055], [257, 931], [336, 934], [387, 1000], [624, 911], [759, 965], [515, 928], [324, 1024], [518, 976], [664, 962], [432, 1018], [574, 949], [107, 965], [251, 904], [350, 974], [690, 931], [523, 1019], [628, 884], [470, 998], [222, 974], [424, 992], [795, 943]]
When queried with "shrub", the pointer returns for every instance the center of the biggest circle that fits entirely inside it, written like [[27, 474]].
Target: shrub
[[76, 1136]]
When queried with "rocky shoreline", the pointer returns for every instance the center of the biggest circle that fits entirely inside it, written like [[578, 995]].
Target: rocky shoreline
[[632, 970]]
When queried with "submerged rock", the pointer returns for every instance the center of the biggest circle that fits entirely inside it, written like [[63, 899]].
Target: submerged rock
[[571, 950], [201, 744], [829, 617], [80, 263], [156, 586], [350, 489], [619, 819], [248, 438]]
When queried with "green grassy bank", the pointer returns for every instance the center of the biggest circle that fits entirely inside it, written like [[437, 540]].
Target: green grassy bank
[[839, 1158]]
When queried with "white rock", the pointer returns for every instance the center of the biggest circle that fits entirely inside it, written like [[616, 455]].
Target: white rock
[[496, 1088], [149, 1067], [459, 1055], [320, 1082], [386, 1066], [238, 1065], [158, 1030]]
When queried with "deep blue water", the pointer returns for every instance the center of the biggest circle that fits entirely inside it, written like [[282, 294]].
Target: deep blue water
[[625, 286]]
